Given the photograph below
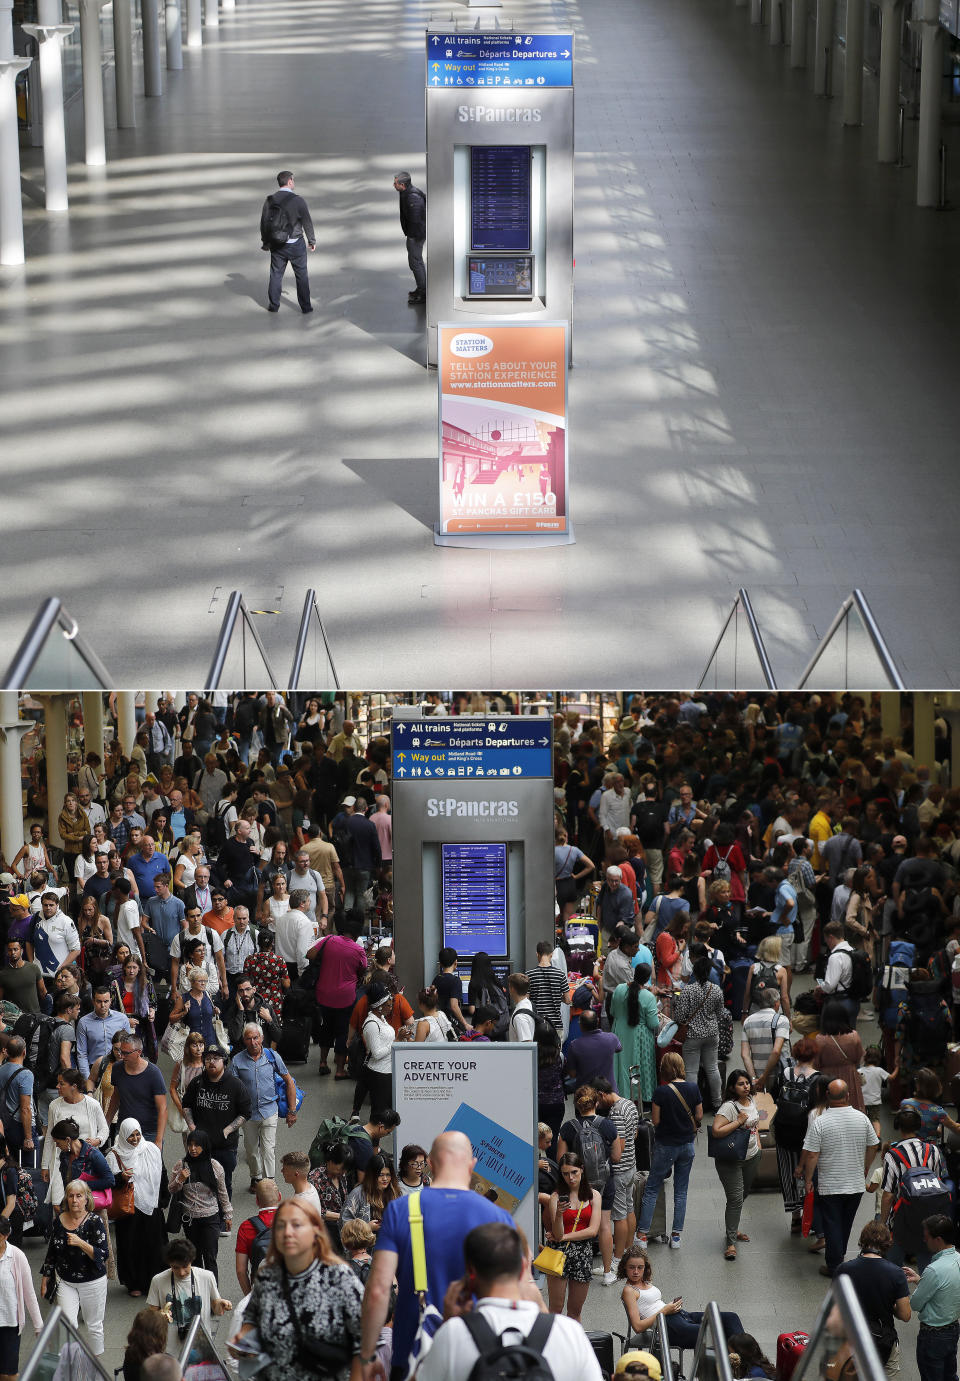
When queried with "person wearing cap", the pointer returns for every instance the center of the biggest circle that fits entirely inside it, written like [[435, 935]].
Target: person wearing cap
[[413, 223], [496, 1277], [639, 1365], [218, 1103], [126, 928], [359, 869]]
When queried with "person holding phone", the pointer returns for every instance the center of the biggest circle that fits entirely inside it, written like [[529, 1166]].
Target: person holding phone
[[643, 1302], [574, 1219]]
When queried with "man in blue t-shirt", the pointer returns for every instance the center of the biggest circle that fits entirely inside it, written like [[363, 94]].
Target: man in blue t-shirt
[[450, 1210]]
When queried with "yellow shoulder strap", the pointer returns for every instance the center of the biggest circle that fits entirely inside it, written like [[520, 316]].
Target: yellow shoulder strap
[[417, 1244]]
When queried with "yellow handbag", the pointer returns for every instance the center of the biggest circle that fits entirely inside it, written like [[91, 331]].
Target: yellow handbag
[[551, 1260]]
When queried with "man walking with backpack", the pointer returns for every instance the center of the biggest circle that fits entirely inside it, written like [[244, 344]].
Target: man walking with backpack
[[912, 1187], [253, 1235], [505, 1319], [16, 1099], [284, 221]]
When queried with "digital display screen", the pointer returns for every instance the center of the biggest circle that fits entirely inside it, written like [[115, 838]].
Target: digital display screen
[[492, 275], [474, 897], [500, 197]]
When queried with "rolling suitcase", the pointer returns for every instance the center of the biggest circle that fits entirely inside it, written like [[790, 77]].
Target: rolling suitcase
[[602, 1344], [645, 1133], [790, 1347], [296, 1028]]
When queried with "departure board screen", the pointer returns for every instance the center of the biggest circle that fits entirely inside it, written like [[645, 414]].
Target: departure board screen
[[474, 887], [500, 197]]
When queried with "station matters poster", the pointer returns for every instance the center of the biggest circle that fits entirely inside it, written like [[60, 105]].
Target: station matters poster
[[503, 428]]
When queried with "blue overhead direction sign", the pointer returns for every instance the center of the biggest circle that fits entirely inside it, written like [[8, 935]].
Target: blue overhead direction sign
[[490, 747], [499, 60]]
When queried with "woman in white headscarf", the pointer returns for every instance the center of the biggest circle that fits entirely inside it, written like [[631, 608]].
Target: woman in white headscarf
[[141, 1235]]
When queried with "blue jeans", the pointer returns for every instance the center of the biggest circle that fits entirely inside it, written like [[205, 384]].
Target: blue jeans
[[683, 1328], [937, 1353], [679, 1159], [296, 255]]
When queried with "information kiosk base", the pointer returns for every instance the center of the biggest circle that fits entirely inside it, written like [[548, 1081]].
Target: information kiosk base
[[509, 541]]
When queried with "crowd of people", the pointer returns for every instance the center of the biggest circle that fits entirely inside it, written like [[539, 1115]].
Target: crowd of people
[[222, 905]]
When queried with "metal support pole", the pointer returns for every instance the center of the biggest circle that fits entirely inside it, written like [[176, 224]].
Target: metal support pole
[[50, 38], [123, 63], [152, 71], [194, 24], [91, 53], [890, 115], [853, 63], [55, 736], [11, 206], [798, 33], [823, 46], [171, 19], [776, 23], [931, 81], [756, 11]]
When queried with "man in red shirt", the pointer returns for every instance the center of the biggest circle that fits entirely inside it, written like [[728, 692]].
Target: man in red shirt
[[268, 1201]]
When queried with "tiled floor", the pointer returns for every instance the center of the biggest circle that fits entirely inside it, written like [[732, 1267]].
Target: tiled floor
[[765, 349]]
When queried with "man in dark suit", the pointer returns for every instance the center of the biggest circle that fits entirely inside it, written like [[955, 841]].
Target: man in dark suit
[[291, 250]]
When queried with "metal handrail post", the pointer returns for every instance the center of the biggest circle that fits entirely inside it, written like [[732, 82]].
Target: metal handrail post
[[299, 651], [856, 600], [663, 1339], [235, 607], [712, 1329], [743, 601], [49, 616]]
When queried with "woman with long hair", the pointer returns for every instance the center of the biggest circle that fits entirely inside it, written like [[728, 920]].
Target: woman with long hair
[[573, 1216], [669, 949], [746, 1356], [676, 1113], [141, 1235], [85, 866], [73, 826], [433, 1025], [147, 1338], [485, 988], [737, 1111], [188, 861], [133, 994], [184, 1071], [158, 827], [277, 904], [643, 1302], [378, 1186], [551, 1095], [635, 1020], [207, 1209], [840, 1052], [304, 1309], [92, 924]]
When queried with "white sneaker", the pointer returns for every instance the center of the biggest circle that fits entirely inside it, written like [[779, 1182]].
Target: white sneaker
[[675, 1241], [610, 1278], [640, 1241], [597, 1270]]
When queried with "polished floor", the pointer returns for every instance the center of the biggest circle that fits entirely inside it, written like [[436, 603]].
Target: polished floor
[[763, 392]]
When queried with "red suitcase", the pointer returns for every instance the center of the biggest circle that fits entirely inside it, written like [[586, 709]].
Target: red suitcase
[[790, 1348]]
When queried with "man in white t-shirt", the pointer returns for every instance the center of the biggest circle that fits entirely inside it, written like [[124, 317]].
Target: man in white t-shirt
[[126, 927], [841, 1145], [295, 933], [55, 938], [303, 878], [508, 1310], [522, 1020]]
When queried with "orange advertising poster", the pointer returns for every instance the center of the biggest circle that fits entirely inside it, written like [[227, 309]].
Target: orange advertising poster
[[503, 428]]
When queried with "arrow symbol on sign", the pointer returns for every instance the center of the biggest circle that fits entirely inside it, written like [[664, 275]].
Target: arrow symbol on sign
[[435, 39], [565, 53], [399, 728], [544, 740], [402, 757], [401, 771], [435, 80]]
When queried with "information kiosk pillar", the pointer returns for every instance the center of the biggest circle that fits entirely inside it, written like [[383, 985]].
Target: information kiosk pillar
[[499, 179], [472, 841]]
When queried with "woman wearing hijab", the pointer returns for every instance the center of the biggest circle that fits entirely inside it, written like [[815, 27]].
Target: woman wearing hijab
[[200, 1181], [141, 1235]]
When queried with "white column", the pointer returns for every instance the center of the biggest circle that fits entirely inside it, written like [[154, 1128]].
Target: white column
[[152, 72], [11, 790], [11, 207], [798, 33], [171, 24], [194, 24], [211, 13], [931, 95], [823, 45], [123, 62], [55, 742], [228, 4], [923, 731], [890, 714], [853, 63], [50, 38], [126, 720], [91, 53], [888, 123], [93, 723]]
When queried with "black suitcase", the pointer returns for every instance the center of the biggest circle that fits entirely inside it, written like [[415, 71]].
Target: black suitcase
[[602, 1344], [645, 1132], [293, 1047]]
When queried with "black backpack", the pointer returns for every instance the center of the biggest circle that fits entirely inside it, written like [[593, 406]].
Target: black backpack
[[217, 825], [343, 843], [922, 1193], [260, 1244], [793, 1106], [861, 976], [276, 226], [503, 1361], [928, 1023], [43, 1051]]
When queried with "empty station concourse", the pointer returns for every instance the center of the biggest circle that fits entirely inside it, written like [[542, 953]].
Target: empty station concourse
[[762, 335]]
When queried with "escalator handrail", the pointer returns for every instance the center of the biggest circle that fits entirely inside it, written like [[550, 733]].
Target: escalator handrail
[[858, 600], [49, 616], [742, 601]]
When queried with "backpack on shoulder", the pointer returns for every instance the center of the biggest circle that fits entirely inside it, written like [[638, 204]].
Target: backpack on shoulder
[[861, 976], [500, 1360], [593, 1150], [793, 1106], [42, 1056], [765, 980], [260, 1244], [276, 227], [922, 1192], [928, 1022]]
